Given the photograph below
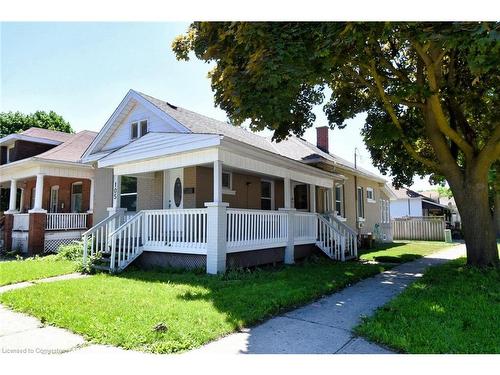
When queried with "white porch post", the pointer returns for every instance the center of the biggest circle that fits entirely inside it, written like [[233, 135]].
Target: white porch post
[[331, 199], [38, 194], [289, 249], [12, 196], [91, 198], [312, 197], [216, 225], [217, 181], [117, 188], [287, 192]]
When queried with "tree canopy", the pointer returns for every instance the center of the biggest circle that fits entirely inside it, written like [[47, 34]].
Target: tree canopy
[[430, 92], [15, 122]]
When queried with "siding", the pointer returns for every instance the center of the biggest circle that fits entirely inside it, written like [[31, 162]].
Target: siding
[[103, 193], [406, 207], [24, 149], [121, 136]]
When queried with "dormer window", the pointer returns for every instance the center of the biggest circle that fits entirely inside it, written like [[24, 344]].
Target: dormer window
[[138, 129]]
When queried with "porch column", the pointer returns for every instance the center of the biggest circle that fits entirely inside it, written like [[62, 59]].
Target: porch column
[[217, 181], [38, 195], [312, 197], [12, 196], [117, 188], [91, 197], [216, 237], [287, 192], [331, 198]]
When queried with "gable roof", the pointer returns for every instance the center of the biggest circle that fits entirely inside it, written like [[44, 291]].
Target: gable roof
[[293, 148]]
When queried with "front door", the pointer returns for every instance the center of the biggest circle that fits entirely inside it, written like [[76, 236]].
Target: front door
[[176, 182]]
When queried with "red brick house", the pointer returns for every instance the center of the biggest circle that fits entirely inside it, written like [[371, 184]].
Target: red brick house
[[46, 190]]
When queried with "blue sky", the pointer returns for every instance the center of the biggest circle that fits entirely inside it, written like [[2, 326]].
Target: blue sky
[[83, 70]]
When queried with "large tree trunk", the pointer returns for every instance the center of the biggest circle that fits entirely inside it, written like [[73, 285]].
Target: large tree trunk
[[477, 221]]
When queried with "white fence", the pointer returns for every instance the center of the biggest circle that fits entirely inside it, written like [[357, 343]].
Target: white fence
[[21, 222], [426, 228], [253, 229], [66, 221]]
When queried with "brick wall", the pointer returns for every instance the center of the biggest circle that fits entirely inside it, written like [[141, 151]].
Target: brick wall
[[64, 184]]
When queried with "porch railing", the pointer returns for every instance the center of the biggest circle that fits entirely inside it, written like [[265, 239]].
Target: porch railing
[[305, 227], [96, 239], [65, 221], [254, 229], [349, 235], [180, 229], [21, 222]]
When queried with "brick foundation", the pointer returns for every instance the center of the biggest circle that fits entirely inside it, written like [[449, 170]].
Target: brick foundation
[[9, 222], [36, 235]]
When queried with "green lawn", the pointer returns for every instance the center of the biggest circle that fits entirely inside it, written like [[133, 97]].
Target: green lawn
[[452, 309], [402, 251], [15, 271], [192, 308]]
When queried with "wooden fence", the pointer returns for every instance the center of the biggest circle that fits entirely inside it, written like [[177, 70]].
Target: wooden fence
[[427, 228]]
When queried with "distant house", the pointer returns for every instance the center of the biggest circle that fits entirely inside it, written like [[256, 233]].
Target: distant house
[[409, 203], [52, 200]]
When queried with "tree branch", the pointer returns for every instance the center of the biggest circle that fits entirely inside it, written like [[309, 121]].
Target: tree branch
[[490, 152], [435, 103], [395, 120]]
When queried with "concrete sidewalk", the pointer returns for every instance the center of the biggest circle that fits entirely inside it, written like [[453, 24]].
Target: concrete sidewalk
[[326, 326]]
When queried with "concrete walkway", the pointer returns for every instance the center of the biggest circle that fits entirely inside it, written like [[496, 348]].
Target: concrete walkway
[[21, 333], [324, 326]]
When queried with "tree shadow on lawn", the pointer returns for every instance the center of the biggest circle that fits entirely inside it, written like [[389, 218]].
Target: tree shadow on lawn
[[247, 297]]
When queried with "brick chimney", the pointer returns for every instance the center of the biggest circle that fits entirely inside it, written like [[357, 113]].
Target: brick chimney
[[322, 138]]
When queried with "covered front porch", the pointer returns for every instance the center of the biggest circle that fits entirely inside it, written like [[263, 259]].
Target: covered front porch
[[47, 205], [210, 203]]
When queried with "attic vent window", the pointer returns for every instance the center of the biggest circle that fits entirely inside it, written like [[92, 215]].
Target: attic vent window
[[172, 106], [138, 129]]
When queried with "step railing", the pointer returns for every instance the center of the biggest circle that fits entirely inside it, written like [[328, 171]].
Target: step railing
[[350, 235], [96, 239], [254, 229], [330, 240], [66, 221], [126, 242]]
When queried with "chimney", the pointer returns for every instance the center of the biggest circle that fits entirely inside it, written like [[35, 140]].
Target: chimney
[[322, 138]]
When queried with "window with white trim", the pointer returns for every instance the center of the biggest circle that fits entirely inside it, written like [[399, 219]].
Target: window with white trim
[[128, 193], [339, 200], [370, 195], [361, 203], [227, 178], [54, 198], [138, 129], [76, 197], [266, 195]]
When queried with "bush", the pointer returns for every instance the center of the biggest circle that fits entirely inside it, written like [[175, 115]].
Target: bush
[[73, 251]]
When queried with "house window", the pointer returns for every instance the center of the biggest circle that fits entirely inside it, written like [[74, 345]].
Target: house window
[[134, 131], [76, 197], [54, 198], [177, 192], [300, 197], [339, 200], [138, 129], [266, 195], [128, 194], [144, 127], [361, 203], [370, 195], [226, 180]]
